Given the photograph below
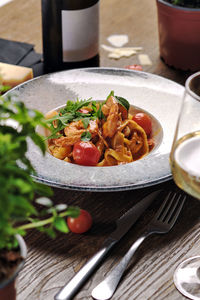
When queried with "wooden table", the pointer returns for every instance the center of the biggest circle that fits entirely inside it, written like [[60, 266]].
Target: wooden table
[[51, 263]]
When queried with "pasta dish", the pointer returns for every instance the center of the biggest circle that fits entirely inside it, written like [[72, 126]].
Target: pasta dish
[[94, 133]]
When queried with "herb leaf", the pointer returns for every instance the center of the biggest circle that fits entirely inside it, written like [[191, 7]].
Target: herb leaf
[[18, 206], [111, 94], [123, 102], [86, 122], [73, 107], [100, 114], [86, 136], [60, 224]]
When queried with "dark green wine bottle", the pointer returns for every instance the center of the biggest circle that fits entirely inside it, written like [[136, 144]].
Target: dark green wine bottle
[[70, 31]]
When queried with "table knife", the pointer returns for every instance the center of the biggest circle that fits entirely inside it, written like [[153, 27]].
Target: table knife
[[123, 224]]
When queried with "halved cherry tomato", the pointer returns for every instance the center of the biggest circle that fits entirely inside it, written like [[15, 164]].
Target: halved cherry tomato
[[86, 154], [80, 224], [144, 121], [134, 67]]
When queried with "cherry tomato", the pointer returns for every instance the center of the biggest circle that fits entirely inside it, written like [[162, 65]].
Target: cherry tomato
[[144, 121], [86, 154], [134, 67], [80, 224]]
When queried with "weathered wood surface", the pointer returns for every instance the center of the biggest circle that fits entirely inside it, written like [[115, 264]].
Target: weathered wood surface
[[51, 263]]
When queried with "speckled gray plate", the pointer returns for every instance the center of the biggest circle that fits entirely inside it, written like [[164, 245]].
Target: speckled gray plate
[[157, 95]]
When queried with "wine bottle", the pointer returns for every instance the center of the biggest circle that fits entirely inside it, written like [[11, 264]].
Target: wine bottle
[[70, 31]]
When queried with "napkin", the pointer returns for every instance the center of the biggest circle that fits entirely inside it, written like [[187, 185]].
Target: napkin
[[22, 54]]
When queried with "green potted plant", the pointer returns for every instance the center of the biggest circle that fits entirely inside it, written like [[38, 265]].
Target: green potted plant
[[179, 33], [24, 203]]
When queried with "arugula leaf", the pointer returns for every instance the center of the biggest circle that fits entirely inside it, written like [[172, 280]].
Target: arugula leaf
[[73, 107], [86, 136], [64, 119], [94, 106], [82, 103], [53, 136], [68, 114], [100, 114], [86, 122], [111, 94]]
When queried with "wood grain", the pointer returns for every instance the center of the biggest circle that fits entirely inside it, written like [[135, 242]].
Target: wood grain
[[51, 263]]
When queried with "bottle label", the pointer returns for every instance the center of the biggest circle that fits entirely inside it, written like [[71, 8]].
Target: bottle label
[[80, 33]]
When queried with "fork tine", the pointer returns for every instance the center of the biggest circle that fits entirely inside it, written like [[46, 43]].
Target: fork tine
[[173, 220], [174, 204], [161, 210], [168, 206]]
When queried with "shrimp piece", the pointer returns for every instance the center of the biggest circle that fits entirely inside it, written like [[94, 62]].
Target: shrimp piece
[[74, 131], [106, 107], [75, 128], [73, 134], [111, 124], [78, 128], [93, 128]]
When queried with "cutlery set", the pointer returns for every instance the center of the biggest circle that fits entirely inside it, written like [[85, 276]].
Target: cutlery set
[[161, 223]]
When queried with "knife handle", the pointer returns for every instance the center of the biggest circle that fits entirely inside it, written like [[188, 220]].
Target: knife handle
[[72, 287]]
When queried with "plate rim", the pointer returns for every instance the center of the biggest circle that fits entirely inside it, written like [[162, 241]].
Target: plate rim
[[99, 188]]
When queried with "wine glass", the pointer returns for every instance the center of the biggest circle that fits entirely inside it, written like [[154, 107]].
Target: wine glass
[[185, 166]]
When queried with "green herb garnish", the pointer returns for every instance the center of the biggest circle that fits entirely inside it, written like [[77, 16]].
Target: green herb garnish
[[120, 100], [71, 112], [123, 102], [86, 136], [111, 94], [86, 122]]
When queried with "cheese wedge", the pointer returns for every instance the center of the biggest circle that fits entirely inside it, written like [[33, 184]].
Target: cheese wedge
[[144, 59], [12, 75]]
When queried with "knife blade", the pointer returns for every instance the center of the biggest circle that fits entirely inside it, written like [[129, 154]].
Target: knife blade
[[123, 224]]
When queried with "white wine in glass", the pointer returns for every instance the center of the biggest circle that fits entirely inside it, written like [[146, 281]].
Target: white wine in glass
[[185, 166]]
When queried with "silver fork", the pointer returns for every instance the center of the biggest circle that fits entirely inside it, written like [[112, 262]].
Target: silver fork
[[162, 222]]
